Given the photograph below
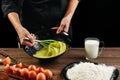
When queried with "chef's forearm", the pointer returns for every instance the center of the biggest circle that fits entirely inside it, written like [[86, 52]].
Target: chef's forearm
[[14, 19], [71, 8]]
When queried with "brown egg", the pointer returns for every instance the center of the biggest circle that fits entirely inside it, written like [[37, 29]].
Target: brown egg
[[19, 65], [16, 71], [24, 72], [12, 68], [40, 76], [7, 69], [40, 69], [32, 67], [48, 73], [6, 61], [32, 74]]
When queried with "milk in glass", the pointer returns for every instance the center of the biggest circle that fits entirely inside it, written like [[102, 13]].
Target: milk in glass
[[91, 48]]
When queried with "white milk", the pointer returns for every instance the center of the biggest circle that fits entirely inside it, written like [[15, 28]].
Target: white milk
[[91, 48]]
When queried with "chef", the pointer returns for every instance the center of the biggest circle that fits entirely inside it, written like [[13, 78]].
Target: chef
[[30, 16]]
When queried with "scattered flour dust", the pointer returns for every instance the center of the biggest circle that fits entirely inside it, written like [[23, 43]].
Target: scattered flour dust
[[90, 71]]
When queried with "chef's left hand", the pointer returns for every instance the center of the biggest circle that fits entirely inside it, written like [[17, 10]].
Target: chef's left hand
[[64, 25]]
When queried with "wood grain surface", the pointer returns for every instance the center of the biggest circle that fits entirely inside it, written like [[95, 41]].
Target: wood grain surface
[[110, 56]]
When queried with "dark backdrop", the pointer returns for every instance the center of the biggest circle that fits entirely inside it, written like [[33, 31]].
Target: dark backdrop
[[93, 18], [97, 18], [7, 32]]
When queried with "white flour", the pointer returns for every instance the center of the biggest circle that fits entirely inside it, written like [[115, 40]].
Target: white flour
[[90, 71]]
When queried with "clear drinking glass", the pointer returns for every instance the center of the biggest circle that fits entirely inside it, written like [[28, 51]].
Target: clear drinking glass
[[92, 47]]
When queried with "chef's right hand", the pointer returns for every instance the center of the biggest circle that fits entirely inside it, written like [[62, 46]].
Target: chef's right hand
[[25, 33]]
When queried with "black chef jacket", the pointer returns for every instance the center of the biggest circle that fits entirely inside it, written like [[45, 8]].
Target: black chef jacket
[[37, 14]]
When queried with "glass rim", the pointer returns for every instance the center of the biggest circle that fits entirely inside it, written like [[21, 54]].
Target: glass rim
[[92, 38]]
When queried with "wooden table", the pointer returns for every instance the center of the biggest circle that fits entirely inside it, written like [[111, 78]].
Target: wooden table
[[109, 56]]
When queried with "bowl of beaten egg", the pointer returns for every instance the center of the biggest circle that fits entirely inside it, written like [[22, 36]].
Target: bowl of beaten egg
[[51, 45]]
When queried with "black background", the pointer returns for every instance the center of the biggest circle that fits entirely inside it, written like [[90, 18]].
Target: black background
[[93, 18]]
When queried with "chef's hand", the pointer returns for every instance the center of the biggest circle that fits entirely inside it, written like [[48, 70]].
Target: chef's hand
[[25, 33], [64, 25]]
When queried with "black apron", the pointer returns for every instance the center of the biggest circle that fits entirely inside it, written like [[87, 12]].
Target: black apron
[[42, 14]]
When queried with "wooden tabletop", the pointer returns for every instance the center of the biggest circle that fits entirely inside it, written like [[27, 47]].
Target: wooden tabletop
[[110, 56]]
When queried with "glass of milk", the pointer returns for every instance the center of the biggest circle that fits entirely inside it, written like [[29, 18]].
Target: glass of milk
[[92, 45]]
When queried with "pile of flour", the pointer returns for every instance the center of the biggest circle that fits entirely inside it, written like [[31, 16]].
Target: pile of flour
[[90, 71]]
